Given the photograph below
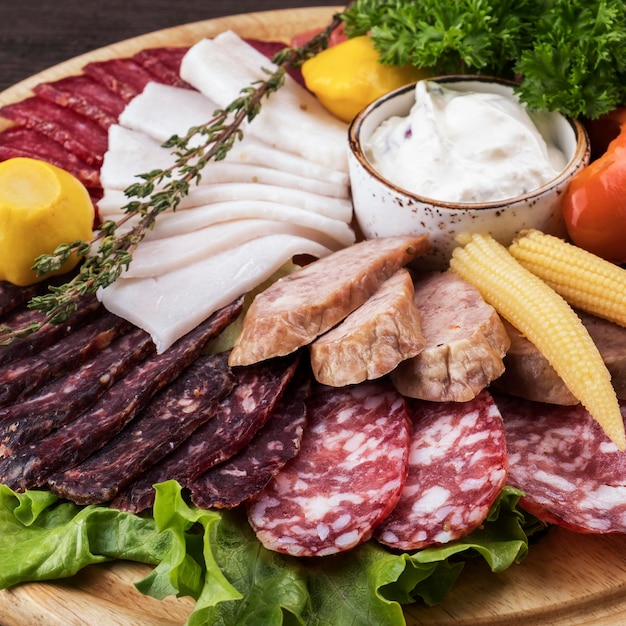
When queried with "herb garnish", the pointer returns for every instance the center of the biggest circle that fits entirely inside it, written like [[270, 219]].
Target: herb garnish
[[158, 191]]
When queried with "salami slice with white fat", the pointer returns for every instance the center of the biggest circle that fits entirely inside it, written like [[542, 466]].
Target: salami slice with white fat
[[457, 467], [570, 472], [347, 477]]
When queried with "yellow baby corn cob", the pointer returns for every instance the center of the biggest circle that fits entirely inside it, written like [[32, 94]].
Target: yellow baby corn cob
[[547, 320], [585, 280]]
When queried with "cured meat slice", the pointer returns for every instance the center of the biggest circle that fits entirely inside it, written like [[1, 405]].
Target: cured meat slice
[[12, 296], [33, 464], [570, 472], [18, 379], [87, 307], [347, 477], [85, 96], [168, 420], [27, 142], [62, 401], [124, 77], [528, 374], [298, 308], [228, 484], [465, 342], [457, 467], [76, 133], [163, 63], [372, 340], [240, 415]]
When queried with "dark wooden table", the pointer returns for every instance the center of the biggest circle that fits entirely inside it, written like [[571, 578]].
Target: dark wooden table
[[36, 34]]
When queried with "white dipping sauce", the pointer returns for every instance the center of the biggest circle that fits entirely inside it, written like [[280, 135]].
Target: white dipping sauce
[[460, 146]]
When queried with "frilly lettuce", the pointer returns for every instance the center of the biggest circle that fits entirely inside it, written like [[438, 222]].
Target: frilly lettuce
[[215, 558]]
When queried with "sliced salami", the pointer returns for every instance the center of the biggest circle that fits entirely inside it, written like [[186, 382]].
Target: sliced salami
[[239, 417], [163, 63], [570, 472], [76, 133], [12, 296], [124, 77], [88, 307], [347, 477], [85, 96], [19, 378], [27, 142], [33, 464], [457, 467], [228, 484], [64, 400], [168, 420]]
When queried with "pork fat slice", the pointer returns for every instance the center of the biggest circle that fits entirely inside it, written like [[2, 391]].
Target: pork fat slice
[[372, 340], [222, 66], [170, 305], [305, 304], [465, 342]]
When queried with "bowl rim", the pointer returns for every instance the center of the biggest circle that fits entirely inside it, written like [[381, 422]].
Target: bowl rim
[[580, 156]]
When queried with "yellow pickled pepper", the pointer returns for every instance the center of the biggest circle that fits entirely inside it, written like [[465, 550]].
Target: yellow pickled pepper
[[348, 76], [41, 206]]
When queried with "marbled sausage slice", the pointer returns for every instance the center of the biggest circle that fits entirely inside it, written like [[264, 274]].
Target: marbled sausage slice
[[303, 305], [372, 340], [457, 467], [465, 342], [347, 477], [570, 472], [230, 483], [174, 413]]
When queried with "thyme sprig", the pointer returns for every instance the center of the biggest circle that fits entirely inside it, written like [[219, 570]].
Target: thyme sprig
[[158, 191]]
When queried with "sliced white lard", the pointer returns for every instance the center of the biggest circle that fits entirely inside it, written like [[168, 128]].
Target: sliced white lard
[[111, 203], [169, 306], [292, 117], [159, 256]]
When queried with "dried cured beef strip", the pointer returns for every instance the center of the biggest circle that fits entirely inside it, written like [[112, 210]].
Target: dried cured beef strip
[[347, 477], [63, 400], [570, 472], [85, 96], [124, 77], [238, 419], [164, 63], [27, 142], [228, 484], [76, 133], [32, 465], [87, 307], [171, 417], [18, 379], [457, 467], [12, 296]]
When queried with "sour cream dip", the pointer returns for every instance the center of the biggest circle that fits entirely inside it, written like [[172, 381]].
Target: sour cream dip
[[464, 146]]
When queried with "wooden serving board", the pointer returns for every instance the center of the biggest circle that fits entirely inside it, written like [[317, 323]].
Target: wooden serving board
[[567, 579]]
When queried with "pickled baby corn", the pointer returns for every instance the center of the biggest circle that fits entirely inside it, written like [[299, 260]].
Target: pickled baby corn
[[547, 320], [585, 280]]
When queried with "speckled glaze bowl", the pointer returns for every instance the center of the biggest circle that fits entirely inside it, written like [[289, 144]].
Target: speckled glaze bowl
[[383, 209]]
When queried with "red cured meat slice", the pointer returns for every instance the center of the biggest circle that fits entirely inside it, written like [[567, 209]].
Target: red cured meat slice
[[88, 306], [570, 472], [27, 142], [347, 477], [244, 475], [85, 96], [164, 63], [12, 296], [76, 133], [240, 415], [125, 77], [19, 378], [169, 419], [62, 401], [457, 467], [33, 464]]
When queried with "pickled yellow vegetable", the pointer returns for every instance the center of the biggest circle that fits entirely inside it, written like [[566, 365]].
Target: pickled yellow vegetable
[[348, 76], [41, 206]]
